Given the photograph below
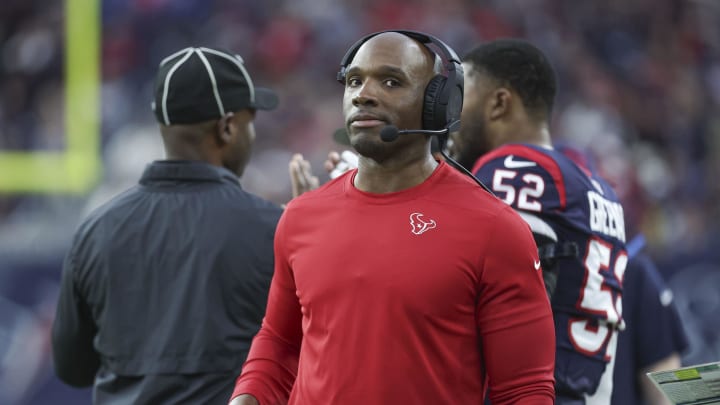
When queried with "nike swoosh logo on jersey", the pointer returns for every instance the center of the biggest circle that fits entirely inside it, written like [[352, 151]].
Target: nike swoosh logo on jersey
[[517, 164], [537, 265]]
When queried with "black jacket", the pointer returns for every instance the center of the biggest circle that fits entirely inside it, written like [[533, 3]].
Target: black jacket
[[164, 287]]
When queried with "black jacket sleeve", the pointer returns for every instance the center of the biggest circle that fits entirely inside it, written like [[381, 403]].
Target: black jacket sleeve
[[75, 360]]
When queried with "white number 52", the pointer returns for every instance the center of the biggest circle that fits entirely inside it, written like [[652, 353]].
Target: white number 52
[[527, 195]]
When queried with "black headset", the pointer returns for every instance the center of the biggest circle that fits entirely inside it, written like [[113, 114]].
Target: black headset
[[444, 93]]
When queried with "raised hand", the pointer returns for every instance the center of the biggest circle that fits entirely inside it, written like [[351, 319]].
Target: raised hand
[[339, 163], [301, 177]]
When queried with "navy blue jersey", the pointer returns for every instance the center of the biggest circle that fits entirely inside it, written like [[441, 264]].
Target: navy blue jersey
[[569, 204]]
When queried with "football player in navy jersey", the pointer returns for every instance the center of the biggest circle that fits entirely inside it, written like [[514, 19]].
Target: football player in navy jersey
[[575, 215], [654, 337]]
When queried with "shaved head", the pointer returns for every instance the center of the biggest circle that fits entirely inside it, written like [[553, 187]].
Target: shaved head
[[386, 79]]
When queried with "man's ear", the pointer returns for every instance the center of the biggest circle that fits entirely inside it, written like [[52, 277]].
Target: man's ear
[[224, 132], [500, 103]]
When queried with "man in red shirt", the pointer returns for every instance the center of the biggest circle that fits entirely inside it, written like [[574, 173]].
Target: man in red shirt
[[403, 281]]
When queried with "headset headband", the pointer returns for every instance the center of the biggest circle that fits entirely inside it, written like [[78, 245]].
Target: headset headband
[[449, 58]]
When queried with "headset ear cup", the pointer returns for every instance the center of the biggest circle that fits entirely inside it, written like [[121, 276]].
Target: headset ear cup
[[434, 116], [453, 110]]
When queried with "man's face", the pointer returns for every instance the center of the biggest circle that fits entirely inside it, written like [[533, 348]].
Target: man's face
[[385, 85], [473, 138]]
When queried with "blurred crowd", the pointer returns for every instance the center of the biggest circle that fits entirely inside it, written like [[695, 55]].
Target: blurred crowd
[[639, 93]]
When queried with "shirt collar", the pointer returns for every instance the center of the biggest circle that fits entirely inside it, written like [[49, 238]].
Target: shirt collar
[[186, 170]]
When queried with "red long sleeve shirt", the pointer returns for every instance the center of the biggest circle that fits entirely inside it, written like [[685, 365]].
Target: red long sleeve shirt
[[420, 296]]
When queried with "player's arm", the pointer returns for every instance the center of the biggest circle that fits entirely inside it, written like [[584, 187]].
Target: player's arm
[[650, 393], [514, 318], [662, 327], [550, 250], [270, 370], [75, 360]]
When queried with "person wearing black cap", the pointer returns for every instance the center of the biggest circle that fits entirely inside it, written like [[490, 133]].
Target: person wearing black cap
[[164, 286]]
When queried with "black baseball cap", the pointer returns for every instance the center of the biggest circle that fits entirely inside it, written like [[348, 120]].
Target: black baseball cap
[[200, 84]]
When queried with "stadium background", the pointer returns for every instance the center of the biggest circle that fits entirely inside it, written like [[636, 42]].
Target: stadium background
[[639, 91]]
